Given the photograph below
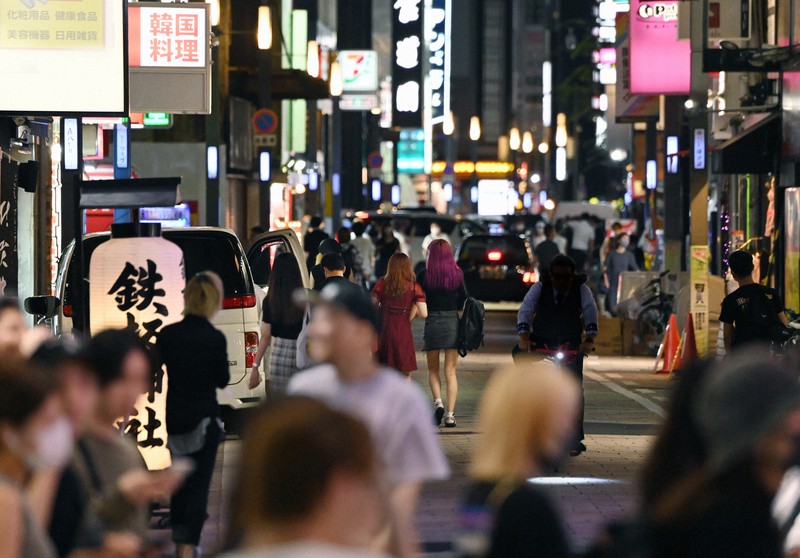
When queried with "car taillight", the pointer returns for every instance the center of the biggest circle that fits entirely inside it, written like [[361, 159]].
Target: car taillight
[[250, 348], [494, 256], [528, 277], [68, 310], [246, 301]]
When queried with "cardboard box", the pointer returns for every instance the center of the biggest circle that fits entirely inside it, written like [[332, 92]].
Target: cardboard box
[[609, 337]]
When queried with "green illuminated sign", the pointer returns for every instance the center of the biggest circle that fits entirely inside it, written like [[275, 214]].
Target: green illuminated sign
[[160, 119]]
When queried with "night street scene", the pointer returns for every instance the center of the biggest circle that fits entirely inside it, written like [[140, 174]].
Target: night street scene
[[400, 278]]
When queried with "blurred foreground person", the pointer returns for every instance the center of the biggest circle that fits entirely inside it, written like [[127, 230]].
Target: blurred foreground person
[[747, 412], [308, 484], [109, 465], [526, 419], [281, 323], [193, 417], [34, 435], [399, 299], [342, 333]]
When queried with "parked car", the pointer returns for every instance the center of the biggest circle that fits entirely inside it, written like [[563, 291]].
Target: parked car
[[244, 280], [496, 267]]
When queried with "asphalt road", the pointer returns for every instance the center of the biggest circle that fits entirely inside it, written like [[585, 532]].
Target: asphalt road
[[624, 404]]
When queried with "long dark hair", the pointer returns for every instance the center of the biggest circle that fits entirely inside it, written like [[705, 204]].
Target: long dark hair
[[284, 280]]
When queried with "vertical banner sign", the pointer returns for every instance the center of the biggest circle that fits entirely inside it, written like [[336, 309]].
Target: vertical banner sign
[[699, 296], [660, 63], [792, 276], [8, 227], [138, 283], [630, 107], [167, 36], [438, 23], [407, 53]]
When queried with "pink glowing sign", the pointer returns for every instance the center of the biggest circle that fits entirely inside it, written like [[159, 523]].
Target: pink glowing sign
[[660, 63]]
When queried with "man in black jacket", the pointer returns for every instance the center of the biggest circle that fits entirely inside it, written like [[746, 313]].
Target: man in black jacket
[[560, 312]]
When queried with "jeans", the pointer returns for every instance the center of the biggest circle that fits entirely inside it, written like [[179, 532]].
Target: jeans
[[188, 505]]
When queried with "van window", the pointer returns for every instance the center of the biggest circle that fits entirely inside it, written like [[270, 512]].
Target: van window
[[202, 251], [263, 256]]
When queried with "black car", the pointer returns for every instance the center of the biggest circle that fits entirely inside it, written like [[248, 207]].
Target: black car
[[496, 267]]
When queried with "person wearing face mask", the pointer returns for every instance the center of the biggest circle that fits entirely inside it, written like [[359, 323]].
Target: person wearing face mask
[[34, 435], [435, 234], [526, 420], [618, 260]]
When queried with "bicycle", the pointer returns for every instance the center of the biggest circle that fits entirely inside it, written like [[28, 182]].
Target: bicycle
[[652, 317]]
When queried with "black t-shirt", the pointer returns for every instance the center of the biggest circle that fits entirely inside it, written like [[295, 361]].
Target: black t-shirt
[[525, 522], [284, 330], [736, 310], [443, 301], [545, 251]]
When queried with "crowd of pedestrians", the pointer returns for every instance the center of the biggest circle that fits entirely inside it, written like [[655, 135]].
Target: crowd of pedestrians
[[334, 463]]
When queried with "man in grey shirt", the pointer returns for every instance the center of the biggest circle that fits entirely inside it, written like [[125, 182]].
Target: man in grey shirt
[[343, 329]]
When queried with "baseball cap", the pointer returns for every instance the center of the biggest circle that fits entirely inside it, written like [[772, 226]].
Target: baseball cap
[[348, 297]]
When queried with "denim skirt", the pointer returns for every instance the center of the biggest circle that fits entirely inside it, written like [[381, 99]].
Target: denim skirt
[[441, 331]]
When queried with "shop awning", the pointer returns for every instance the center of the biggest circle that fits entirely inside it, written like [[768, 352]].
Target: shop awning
[[752, 151]]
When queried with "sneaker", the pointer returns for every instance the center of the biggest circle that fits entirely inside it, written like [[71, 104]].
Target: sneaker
[[579, 449], [450, 420], [438, 413]]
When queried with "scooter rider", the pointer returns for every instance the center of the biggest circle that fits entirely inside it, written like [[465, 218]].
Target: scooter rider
[[560, 310]]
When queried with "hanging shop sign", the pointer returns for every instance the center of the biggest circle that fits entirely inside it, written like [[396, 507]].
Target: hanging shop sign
[[438, 23], [660, 62], [359, 70], [407, 57], [77, 46], [170, 57], [138, 283], [792, 245], [630, 107]]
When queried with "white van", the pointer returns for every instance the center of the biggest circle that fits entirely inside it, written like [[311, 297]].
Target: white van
[[244, 278]]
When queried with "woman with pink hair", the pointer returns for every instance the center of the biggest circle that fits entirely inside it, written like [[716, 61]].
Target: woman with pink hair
[[443, 284]]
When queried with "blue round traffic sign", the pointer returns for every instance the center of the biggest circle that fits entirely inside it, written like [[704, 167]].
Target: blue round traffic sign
[[374, 160], [265, 121]]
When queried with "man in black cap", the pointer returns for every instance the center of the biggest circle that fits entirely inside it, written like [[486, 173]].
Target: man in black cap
[[342, 332]]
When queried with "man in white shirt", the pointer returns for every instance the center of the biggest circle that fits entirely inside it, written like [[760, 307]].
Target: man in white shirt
[[435, 234], [343, 329], [365, 247], [582, 242]]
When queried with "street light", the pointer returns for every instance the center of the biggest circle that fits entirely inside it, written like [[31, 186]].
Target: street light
[[213, 12], [543, 148], [264, 28], [312, 59], [527, 142], [336, 82], [513, 139], [449, 124], [475, 128]]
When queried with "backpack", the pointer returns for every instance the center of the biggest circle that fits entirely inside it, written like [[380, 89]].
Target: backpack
[[470, 326], [761, 317]]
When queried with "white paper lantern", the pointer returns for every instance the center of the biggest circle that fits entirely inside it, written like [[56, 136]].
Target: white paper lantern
[[139, 283]]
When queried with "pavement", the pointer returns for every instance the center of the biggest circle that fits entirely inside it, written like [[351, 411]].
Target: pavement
[[624, 405]]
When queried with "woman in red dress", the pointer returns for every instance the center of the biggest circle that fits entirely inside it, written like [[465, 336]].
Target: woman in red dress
[[399, 299]]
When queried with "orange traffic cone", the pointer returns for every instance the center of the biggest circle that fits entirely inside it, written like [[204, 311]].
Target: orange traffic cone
[[669, 347], [689, 353]]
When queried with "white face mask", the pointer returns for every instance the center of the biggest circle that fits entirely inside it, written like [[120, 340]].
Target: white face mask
[[624, 242], [52, 446]]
